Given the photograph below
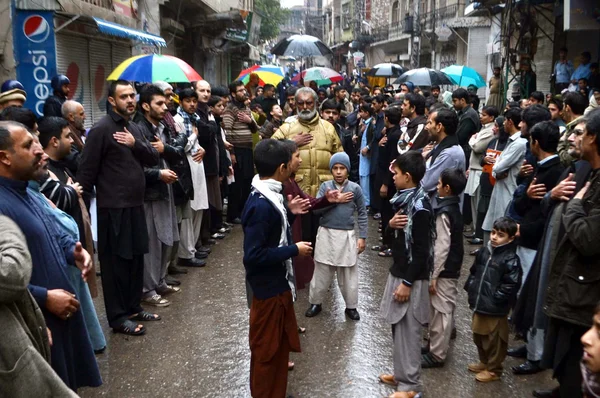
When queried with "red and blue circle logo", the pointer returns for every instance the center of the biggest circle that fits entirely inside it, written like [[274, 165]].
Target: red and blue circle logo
[[36, 28]]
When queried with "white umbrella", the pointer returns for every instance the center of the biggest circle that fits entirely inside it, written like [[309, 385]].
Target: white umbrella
[[386, 70]]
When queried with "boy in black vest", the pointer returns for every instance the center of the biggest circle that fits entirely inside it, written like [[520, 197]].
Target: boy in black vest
[[448, 254]]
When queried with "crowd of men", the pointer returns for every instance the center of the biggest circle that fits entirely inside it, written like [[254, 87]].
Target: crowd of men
[[146, 187]]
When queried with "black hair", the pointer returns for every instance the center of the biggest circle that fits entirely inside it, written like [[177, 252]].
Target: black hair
[[435, 87], [412, 162], [394, 115], [148, 93], [490, 111], [389, 100], [461, 93], [364, 91], [448, 119], [437, 106], [268, 86], [366, 108], [220, 91], [368, 99], [113, 86], [593, 126], [546, 134], [577, 101], [21, 115], [269, 155], [416, 100], [321, 90], [51, 126], [455, 178], [502, 134], [429, 102], [535, 114], [357, 90], [290, 145], [379, 98], [187, 93], [506, 225], [6, 141], [331, 104], [214, 100], [234, 85], [556, 101], [513, 104], [538, 96], [514, 115], [338, 88], [291, 91]]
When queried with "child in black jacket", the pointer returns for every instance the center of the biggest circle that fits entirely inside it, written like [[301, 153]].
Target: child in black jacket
[[492, 287]]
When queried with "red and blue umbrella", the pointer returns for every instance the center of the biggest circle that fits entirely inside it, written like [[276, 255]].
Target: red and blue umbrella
[[152, 67]]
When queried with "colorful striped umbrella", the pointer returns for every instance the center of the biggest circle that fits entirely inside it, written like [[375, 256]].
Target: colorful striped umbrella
[[152, 67], [320, 75], [267, 74]]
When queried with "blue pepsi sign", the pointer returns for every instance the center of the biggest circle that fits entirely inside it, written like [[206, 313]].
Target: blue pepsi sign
[[35, 54]]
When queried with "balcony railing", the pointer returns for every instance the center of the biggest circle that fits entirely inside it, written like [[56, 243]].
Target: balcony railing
[[440, 16], [406, 25]]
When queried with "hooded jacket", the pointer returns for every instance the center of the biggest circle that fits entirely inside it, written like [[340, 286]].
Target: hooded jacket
[[315, 155], [494, 280]]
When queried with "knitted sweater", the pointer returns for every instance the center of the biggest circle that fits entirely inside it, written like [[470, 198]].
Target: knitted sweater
[[341, 216]]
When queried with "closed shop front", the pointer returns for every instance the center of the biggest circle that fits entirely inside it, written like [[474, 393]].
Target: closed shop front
[[87, 62]]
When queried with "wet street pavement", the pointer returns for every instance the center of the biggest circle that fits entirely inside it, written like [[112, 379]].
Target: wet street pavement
[[200, 348]]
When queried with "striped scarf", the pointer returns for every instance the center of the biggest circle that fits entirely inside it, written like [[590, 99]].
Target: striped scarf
[[189, 121]]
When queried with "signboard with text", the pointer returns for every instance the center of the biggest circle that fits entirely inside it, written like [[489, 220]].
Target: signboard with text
[[35, 52]]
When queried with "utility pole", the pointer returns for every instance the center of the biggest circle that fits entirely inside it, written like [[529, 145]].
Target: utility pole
[[433, 36], [415, 38]]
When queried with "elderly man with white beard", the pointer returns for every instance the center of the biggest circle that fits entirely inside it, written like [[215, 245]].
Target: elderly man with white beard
[[316, 139]]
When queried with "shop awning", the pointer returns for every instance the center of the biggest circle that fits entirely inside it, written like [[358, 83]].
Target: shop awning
[[113, 29]]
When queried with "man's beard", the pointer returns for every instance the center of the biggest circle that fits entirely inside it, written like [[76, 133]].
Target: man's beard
[[307, 115]]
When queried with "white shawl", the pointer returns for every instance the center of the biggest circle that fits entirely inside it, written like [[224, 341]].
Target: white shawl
[[271, 190]]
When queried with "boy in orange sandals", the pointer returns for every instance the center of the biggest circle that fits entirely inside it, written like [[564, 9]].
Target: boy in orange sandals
[[492, 287]]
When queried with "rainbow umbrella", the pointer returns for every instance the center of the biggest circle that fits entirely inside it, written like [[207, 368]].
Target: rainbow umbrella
[[319, 74], [152, 67], [267, 74]]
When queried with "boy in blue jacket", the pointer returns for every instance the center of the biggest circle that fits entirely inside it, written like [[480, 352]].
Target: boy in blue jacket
[[268, 249]]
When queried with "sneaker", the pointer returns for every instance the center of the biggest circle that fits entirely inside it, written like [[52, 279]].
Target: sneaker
[[477, 367], [157, 301]]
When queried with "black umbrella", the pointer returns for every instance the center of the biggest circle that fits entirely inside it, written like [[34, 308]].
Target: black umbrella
[[424, 77], [386, 70], [301, 46]]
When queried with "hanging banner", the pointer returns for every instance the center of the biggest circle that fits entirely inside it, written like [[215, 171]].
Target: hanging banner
[[34, 47]]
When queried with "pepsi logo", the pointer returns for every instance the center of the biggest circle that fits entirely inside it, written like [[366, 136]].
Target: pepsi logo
[[36, 28]]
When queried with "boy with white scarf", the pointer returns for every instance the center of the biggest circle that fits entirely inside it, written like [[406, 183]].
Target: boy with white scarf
[[268, 250]]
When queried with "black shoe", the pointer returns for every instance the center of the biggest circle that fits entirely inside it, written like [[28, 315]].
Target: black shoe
[[314, 310], [204, 249], [429, 361], [175, 270], [352, 314], [201, 255], [210, 241], [236, 221], [376, 216], [475, 241], [517, 352], [100, 351], [172, 281], [425, 350], [191, 262], [546, 393], [527, 368], [469, 235], [453, 334]]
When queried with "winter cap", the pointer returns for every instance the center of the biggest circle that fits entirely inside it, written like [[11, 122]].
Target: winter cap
[[14, 94], [162, 85], [341, 158]]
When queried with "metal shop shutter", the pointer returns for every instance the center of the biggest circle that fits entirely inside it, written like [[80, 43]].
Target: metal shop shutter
[[72, 59], [120, 53], [100, 68], [477, 57]]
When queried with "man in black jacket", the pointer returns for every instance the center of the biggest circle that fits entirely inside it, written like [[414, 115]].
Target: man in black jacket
[[388, 152], [113, 161], [267, 100], [544, 139], [159, 206], [53, 104], [574, 280]]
